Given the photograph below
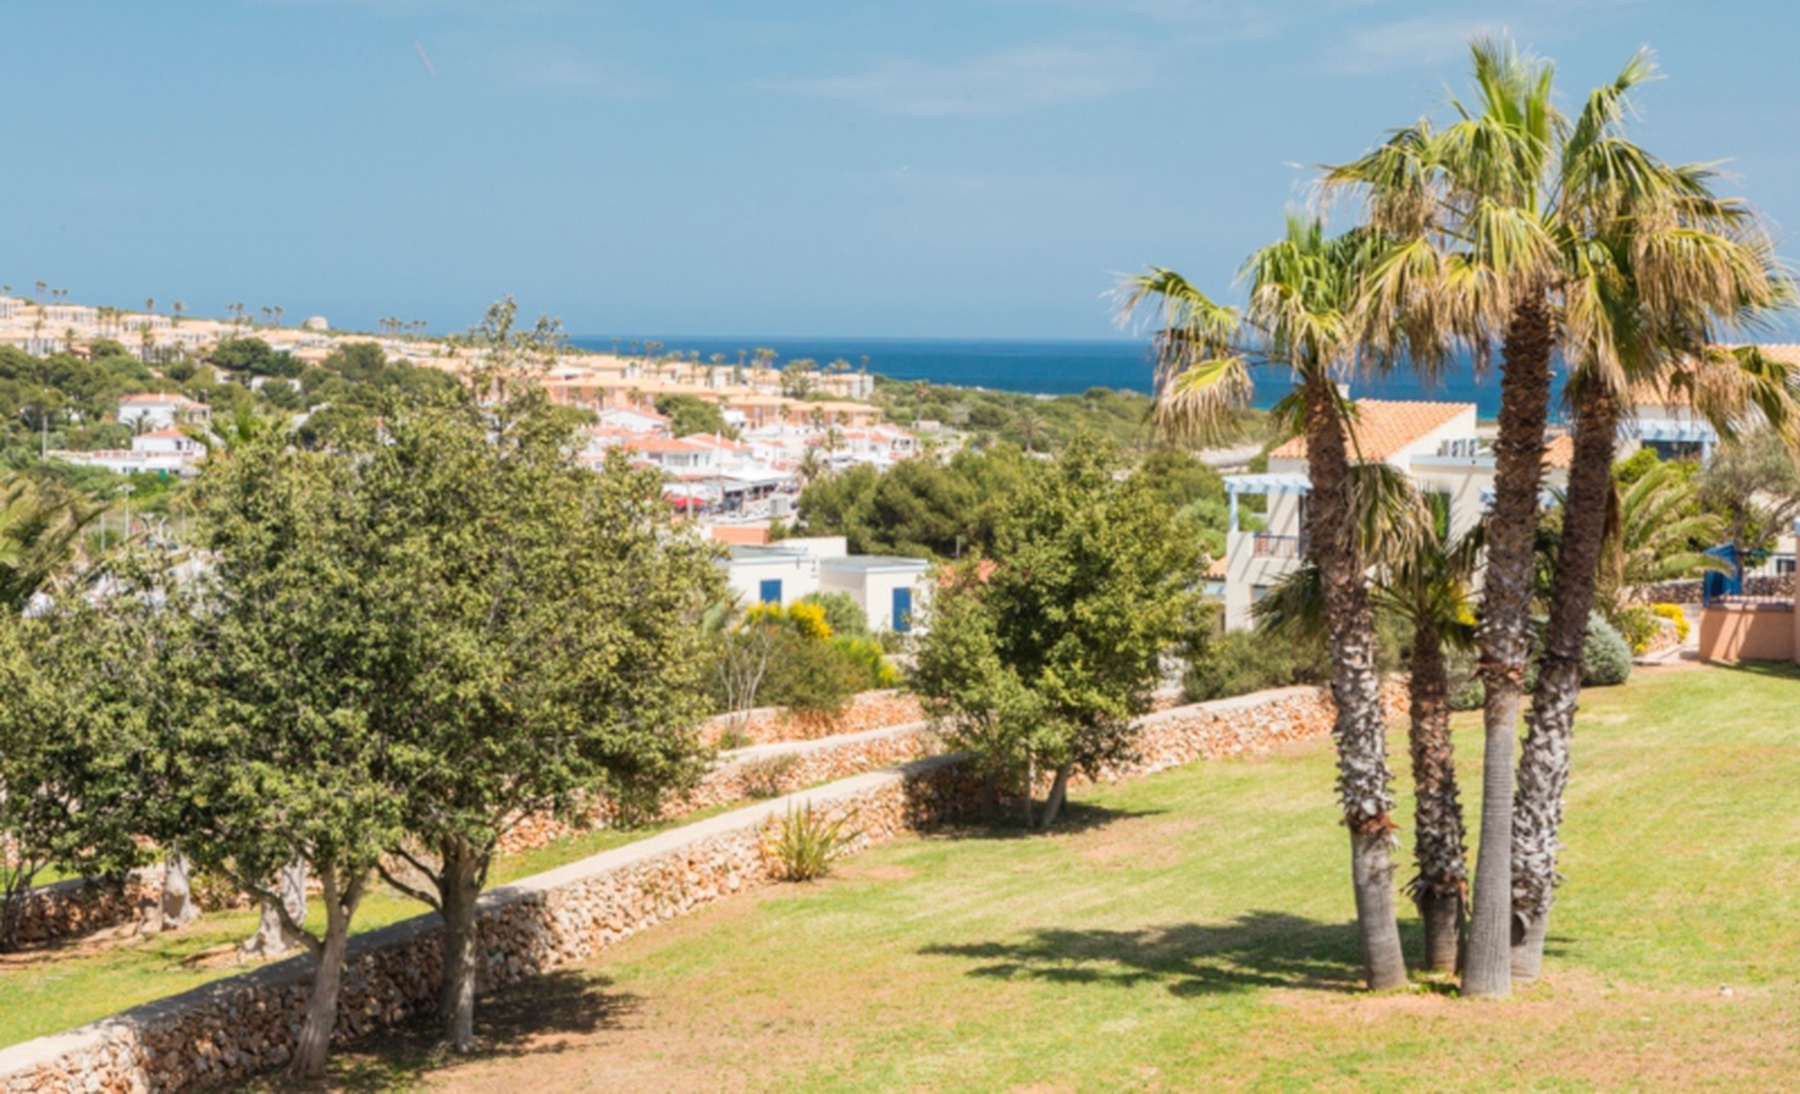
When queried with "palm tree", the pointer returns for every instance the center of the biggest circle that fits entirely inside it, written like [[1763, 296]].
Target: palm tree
[[1657, 536], [1655, 268], [40, 529], [1471, 214], [1424, 577], [1302, 289]]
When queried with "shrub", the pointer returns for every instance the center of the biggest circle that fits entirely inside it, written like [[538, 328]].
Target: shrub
[[1637, 626], [1467, 692], [870, 663], [1240, 662], [804, 845], [842, 613], [809, 675], [769, 776], [1674, 613], [1606, 659]]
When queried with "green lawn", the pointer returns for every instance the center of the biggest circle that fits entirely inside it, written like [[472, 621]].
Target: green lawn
[[1193, 930], [47, 991]]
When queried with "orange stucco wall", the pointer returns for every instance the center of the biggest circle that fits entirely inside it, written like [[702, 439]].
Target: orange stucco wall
[[1747, 632]]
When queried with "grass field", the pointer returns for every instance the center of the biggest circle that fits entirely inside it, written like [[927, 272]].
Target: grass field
[[44, 991], [1192, 930]]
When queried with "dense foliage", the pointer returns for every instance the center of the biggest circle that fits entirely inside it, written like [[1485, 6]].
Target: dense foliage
[[1041, 661], [938, 510]]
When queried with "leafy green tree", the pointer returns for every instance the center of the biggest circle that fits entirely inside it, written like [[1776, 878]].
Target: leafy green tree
[[1753, 483], [291, 656], [692, 414], [546, 650], [1043, 664], [62, 755], [253, 357], [40, 533], [1661, 534]]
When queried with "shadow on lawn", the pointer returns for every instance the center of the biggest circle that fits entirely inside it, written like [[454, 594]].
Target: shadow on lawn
[[554, 1013], [1256, 950], [1007, 823]]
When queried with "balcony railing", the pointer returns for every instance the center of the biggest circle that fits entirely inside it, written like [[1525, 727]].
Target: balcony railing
[[1264, 545]]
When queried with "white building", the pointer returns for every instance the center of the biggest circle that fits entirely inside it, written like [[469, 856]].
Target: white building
[[161, 411], [166, 450], [889, 589], [1437, 445]]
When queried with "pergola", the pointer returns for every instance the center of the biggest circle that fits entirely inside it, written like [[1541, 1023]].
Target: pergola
[[1264, 485]]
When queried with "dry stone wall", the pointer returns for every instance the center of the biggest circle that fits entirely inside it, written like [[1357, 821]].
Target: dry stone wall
[[767, 725], [225, 1031], [70, 909]]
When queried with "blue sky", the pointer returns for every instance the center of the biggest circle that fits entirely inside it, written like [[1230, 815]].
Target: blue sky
[[958, 168]]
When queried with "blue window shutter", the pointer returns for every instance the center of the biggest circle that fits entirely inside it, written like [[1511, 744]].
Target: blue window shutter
[[902, 610], [771, 591]]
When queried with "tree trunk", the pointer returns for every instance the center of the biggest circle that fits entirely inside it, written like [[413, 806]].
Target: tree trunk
[[1030, 789], [178, 907], [1360, 730], [459, 888], [1059, 792], [1506, 632], [273, 938], [1544, 759], [328, 975], [1438, 889]]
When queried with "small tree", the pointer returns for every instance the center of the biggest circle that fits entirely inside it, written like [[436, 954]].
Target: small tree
[[546, 648], [61, 756], [1043, 664], [291, 651], [1754, 484]]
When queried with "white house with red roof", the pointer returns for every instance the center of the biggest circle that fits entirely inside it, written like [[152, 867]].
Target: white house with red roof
[[169, 451], [1435, 444], [161, 410]]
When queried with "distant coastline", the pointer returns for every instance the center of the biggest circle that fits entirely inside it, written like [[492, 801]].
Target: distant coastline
[[1034, 366]]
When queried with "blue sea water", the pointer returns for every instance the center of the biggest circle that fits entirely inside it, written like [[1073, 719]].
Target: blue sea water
[[1042, 366]]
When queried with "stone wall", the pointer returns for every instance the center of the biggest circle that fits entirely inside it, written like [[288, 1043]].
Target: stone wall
[[227, 1030], [1687, 591], [69, 909], [766, 725], [759, 771]]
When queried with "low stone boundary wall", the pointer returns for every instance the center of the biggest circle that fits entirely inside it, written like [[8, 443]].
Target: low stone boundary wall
[[761, 771], [767, 725], [227, 1030], [69, 909], [233, 1028]]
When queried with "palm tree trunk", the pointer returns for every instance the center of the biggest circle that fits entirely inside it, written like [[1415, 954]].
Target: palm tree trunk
[[1443, 876], [1544, 759], [1506, 632], [1360, 730]]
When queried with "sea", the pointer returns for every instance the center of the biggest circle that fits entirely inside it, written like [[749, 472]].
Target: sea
[[1043, 367]]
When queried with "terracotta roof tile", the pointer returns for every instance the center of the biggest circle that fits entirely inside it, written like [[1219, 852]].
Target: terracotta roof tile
[[1384, 427]]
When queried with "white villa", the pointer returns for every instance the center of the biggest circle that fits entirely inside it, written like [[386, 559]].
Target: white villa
[[887, 587], [161, 411], [166, 450], [1437, 445]]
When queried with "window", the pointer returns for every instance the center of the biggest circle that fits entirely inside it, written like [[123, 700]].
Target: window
[[770, 592], [902, 610]]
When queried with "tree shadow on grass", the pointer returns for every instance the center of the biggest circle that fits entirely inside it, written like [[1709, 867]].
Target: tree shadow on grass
[[544, 1015], [1006, 822], [1256, 950], [1778, 669]]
